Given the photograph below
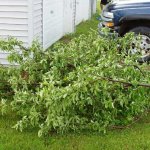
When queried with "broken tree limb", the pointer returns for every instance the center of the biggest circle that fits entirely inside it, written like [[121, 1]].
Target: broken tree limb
[[124, 82]]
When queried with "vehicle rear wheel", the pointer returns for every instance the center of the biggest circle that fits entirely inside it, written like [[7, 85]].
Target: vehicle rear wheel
[[144, 45]]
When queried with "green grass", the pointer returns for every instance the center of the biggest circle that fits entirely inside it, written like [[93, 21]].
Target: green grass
[[83, 28], [135, 138]]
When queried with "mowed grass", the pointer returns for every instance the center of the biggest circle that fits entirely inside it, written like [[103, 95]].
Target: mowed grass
[[137, 137], [83, 28]]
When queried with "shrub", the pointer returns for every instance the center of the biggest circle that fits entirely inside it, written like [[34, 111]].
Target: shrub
[[84, 85]]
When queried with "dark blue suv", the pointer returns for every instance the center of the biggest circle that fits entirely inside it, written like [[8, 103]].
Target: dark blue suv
[[123, 16]]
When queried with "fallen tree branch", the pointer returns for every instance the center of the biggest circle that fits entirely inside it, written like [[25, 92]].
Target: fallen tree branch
[[7, 83], [100, 78], [124, 82], [135, 66], [137, 119]]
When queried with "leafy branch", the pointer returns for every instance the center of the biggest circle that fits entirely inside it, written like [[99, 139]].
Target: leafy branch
[[67, 87]]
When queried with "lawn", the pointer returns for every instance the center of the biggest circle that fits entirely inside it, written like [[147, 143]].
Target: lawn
[[135, 137], [84, 27]]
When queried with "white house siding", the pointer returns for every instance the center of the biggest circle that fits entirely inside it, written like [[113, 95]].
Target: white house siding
[[83, 11], [38, 20], [45, 20], [69, 16], [52, 21], [93, 5], [13, 22]]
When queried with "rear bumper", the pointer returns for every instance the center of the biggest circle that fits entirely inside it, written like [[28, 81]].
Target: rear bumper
[[111, 34]]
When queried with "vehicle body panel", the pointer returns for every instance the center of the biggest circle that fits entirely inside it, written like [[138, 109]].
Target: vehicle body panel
[[124, 10]]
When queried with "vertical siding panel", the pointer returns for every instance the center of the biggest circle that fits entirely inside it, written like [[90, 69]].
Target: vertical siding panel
[[38, 20], [53, 15], [94, 6], [69, 16], [83, 10]]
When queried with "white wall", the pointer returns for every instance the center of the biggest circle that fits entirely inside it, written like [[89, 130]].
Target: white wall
[[83, 11], [37, 20], [45, 20], [52, 21], [94, 5], [14, 22], [69, 16]]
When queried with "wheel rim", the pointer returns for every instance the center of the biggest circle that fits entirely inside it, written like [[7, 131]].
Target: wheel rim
[[143, 47]]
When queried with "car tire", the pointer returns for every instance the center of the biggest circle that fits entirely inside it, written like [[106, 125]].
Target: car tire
[[145, 42], [141, 30]]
